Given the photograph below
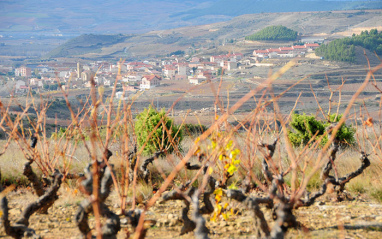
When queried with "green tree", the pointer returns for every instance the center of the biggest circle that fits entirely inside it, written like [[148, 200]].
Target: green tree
[[166, 136]]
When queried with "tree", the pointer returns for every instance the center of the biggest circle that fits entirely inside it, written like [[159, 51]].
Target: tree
[[155, 131]]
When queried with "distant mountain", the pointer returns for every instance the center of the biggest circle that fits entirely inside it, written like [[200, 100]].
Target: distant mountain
[[331, 24], [236, 8], [135, 16]]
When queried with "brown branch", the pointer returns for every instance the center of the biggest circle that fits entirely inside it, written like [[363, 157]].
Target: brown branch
[[15, 231], [32, 177], [253, 204], [285, 220], [146, 163], [342, 181], [20, 228], [112, 225], [201, 231], [188, 166], [47, 199], [332, 156], [267, 158], [310, 199]]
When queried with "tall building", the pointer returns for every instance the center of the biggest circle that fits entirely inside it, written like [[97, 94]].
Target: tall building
[[23, 71], [79, 70]]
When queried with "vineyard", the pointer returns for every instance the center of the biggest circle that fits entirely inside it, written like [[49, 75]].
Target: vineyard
[[111, 174]]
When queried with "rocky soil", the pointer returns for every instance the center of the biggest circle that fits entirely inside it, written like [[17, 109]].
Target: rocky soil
[[356, 218]]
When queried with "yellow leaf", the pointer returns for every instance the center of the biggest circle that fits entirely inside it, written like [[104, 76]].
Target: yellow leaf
[[213, 144], [229, 145], [218, 191], [210, 170], [231, 169], [219, 207], [213, 218]]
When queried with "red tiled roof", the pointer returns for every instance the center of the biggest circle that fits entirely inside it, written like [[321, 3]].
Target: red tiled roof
[[286, 48], [273, 49], [151, 77], [169, 67], [312, 45], [299, 47]]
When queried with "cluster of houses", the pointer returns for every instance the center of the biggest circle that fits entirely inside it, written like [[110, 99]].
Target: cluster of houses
[[132, 75], [281, 52], [143, 75]]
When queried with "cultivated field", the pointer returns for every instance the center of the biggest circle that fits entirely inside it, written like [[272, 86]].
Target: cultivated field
[[114, 172]]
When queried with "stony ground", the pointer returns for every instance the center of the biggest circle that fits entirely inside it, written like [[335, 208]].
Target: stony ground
[[357, 218]]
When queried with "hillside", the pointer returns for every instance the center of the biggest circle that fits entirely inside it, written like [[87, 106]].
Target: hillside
[[309, 24], [86, 43]]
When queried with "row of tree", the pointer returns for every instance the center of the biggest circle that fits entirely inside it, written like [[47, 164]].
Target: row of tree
[[344, 49], [274, 33]]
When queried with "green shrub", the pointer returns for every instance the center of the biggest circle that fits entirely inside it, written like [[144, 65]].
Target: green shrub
[[305, 127], [160, 138]]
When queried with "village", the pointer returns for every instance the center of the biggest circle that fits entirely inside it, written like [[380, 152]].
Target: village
[[142, 75]]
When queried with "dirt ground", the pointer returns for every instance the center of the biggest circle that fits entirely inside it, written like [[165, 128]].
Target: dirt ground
[[357, 218]]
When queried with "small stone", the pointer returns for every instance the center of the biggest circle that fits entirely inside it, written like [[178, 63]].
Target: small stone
[[223, 224], [166, 222], [319, 203], [124, 221], [173, 222]]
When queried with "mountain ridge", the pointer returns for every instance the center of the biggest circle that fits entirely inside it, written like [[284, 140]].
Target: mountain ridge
[[335, 24], [117, 16]]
